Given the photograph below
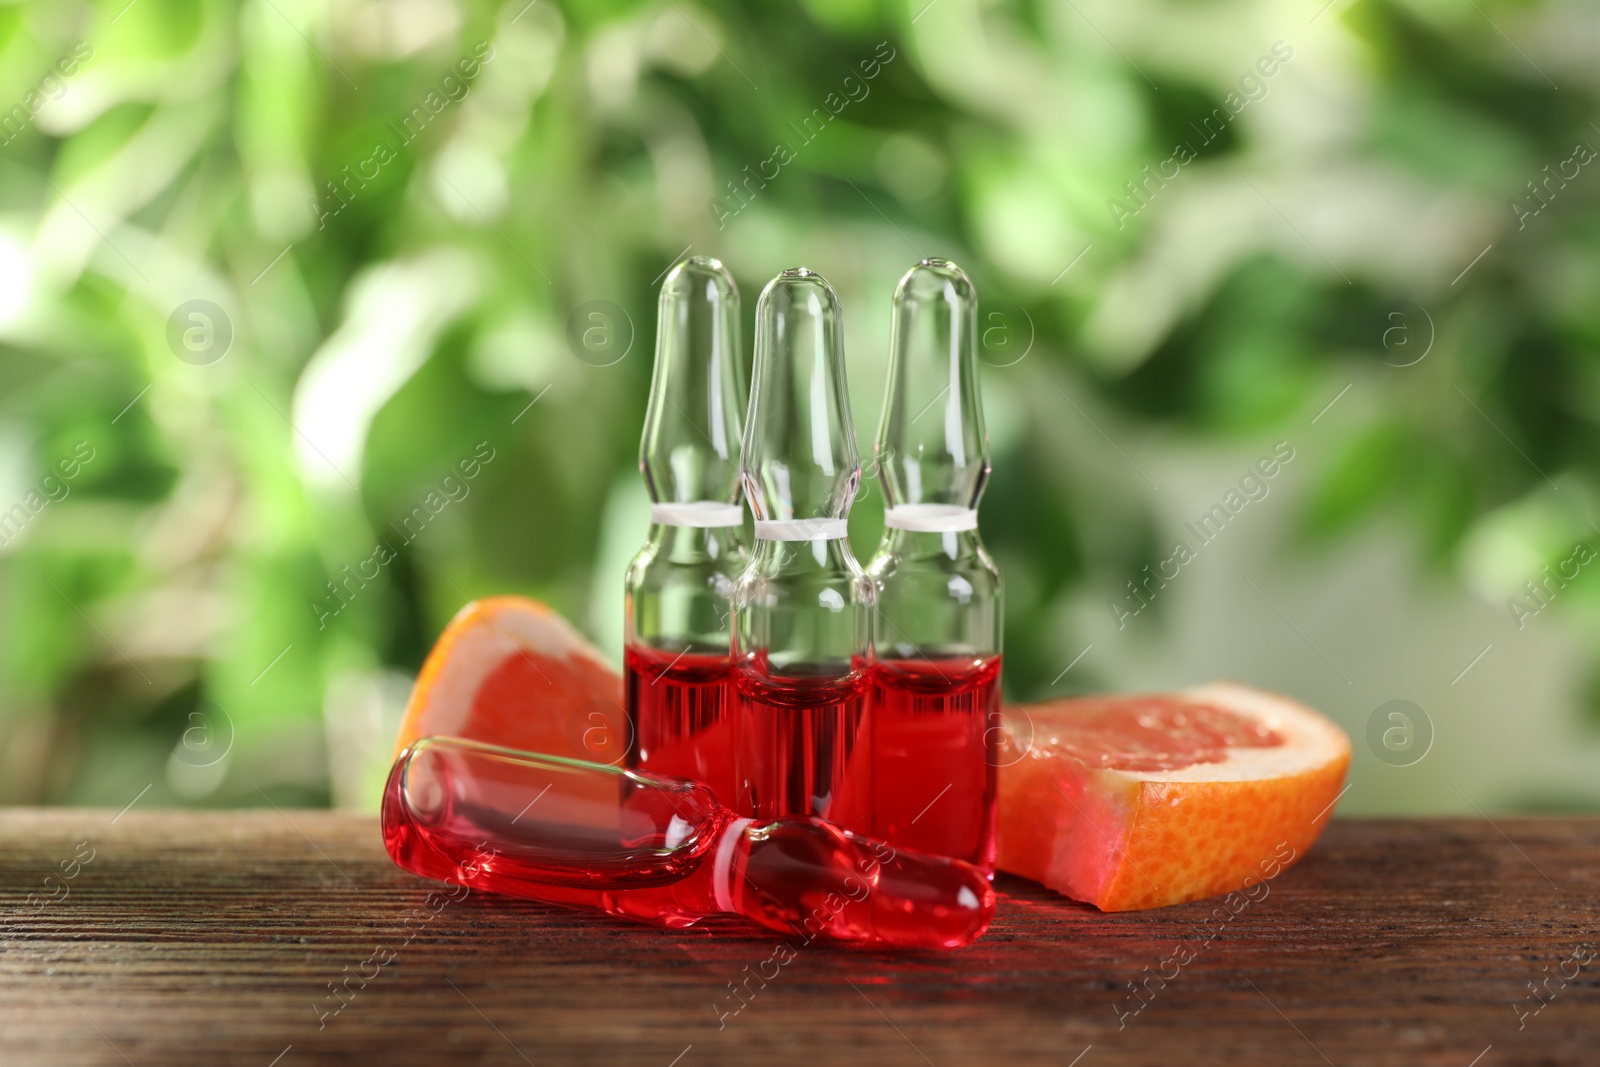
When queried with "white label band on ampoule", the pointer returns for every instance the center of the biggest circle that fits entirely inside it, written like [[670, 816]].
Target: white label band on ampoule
[[701, 513], [801, 529], [721, 866], [930, 518]]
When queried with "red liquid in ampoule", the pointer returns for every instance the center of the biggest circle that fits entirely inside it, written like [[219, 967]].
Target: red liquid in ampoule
[[935, 736], [681, 725], [658, 850], [804, 745], [469, 836]]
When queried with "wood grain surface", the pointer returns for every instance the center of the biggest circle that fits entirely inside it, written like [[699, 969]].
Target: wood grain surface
[[168, 938]]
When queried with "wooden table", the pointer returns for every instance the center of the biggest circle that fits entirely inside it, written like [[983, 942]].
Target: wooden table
[[216, 938]]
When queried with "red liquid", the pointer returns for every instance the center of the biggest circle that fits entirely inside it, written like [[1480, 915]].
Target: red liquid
[[678, 708], [582, 836], [804, 745], [456, 822], [935, 739], [807, 878]]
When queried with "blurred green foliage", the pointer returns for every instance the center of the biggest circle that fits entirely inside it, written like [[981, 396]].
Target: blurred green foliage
[[168, 620]]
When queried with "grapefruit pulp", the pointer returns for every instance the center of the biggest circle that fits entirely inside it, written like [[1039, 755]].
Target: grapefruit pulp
[[1142, 801], [510, 671]]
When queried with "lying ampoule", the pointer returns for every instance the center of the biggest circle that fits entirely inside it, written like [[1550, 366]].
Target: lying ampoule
[[662, 850], [676, 653]]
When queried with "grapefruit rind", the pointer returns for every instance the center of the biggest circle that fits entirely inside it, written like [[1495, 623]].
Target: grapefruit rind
[[1122, 840]]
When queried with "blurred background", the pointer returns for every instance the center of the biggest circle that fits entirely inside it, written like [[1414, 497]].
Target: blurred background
[[271, 270]]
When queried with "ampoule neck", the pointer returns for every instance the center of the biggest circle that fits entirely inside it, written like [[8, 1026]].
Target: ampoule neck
[[920, 544], [832, 554], [677, 543], [932, 448]]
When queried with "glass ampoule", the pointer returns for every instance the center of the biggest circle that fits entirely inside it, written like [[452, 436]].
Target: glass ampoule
[[802, 608], [937, 631], [662, 850], [675, 655]]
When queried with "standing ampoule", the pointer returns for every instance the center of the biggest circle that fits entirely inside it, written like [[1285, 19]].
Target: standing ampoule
[[936, 663], [802, 608], [677, 614]]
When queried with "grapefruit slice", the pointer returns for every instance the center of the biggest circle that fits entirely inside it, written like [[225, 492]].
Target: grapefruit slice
[[510, 671], [1142, 801]]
